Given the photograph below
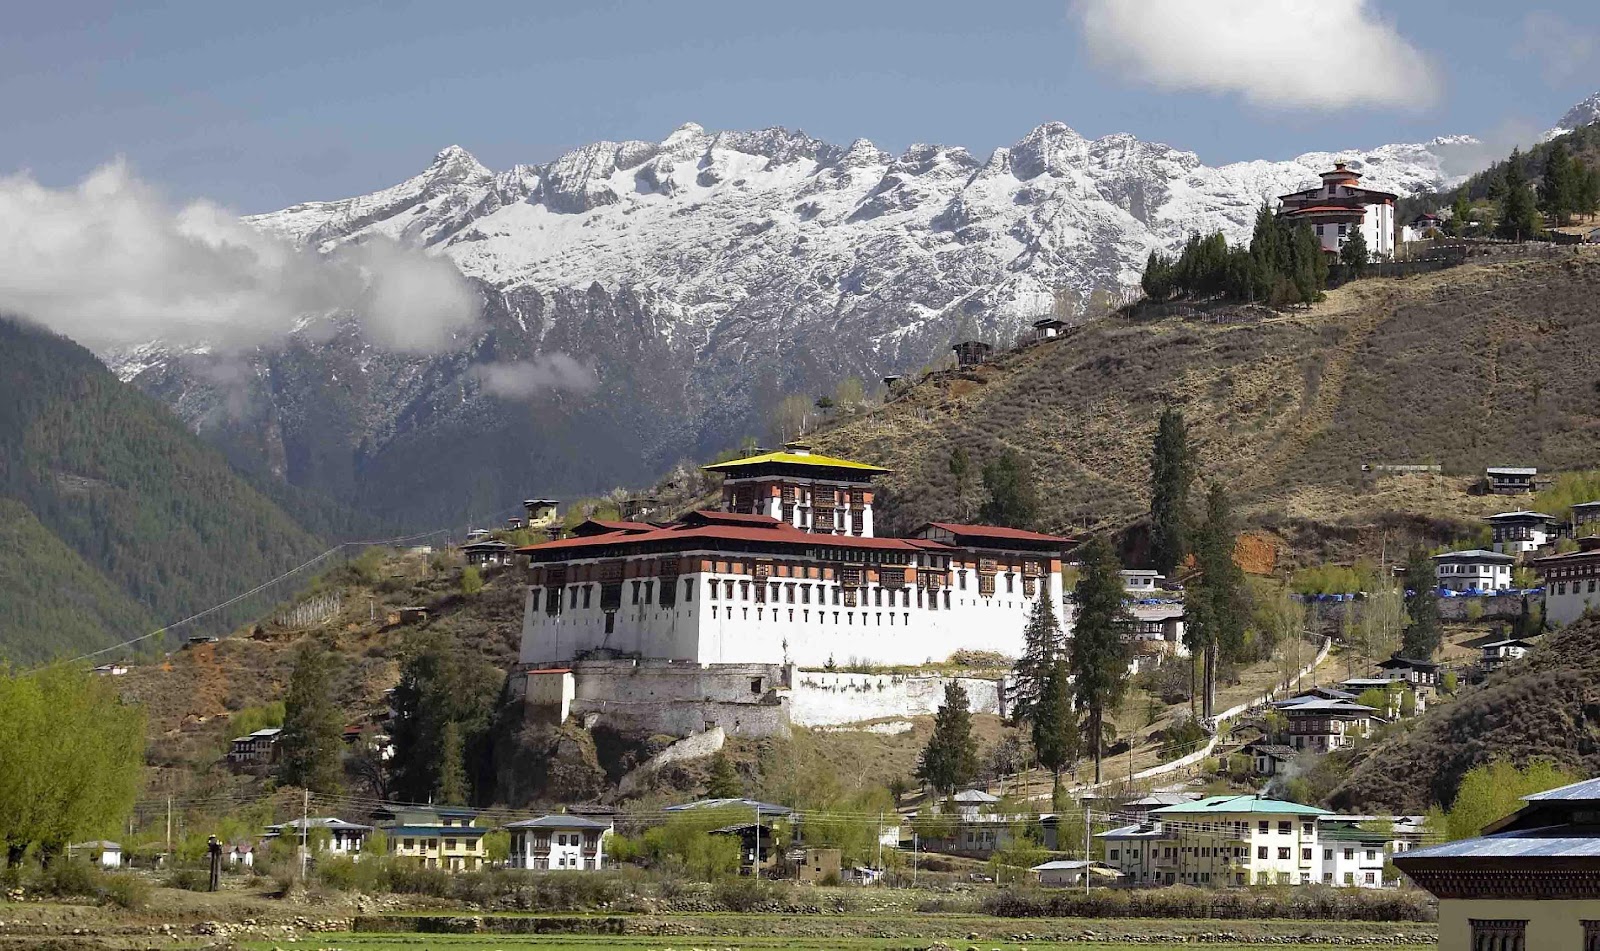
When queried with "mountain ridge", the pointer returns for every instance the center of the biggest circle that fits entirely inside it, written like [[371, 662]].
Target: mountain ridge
[[701, 280]]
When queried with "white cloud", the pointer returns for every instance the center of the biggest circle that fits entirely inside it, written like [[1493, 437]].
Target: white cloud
[[109, 263], [1326, 55], [524, 379]]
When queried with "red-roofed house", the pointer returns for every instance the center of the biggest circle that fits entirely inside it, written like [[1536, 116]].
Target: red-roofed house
[[1339, 206]]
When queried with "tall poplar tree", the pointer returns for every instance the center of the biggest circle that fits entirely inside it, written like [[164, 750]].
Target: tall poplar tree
[[452, 787], [312, 741], [1171, 476], [1097, 656], [1042, 645], [950, 759], [1421, 638], [1214, 606]]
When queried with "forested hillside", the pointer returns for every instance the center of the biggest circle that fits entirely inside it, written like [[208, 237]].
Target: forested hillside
[[96, 469]]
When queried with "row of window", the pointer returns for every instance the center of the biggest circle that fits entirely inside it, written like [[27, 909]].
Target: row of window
[[1446, 568], [410, 845], [1577, 587]]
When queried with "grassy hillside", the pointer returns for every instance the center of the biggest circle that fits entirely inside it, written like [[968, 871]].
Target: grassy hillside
[[1491, 363], [51, 602], [114, 477], [1546, 706]]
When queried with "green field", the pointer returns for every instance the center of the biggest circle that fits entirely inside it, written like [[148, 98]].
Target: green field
[[708, 943]]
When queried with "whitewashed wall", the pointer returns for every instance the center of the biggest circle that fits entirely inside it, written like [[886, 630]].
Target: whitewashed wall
[[820, 698]]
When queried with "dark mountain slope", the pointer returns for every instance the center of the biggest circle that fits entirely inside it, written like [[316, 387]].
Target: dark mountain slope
[[1491, 363], [1547, 706], [118, 480]]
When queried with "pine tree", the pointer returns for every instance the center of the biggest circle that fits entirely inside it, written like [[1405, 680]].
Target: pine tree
[[1013, 498], [1588, 190], [723, 782], [1558, 190], [1042, 646], [313, 731], [1422, 606], [950, 759], [1157, 278], [1214, 606], [452, 788], [1518, 218], [1097, 656], [1054, 725], [1171, 476], [1354, 253]]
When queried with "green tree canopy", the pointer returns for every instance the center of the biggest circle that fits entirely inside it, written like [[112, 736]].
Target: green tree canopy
[[1013, 496], [1056, 737], [1043, 644], [1215, 608], [71, 754], [441, 684], [1172, 471], [950, 759], [312, 741], [723, 782], [1519, 219], [1354, 254], [1422, 634]]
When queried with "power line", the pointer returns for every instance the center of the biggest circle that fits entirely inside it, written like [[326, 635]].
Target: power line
[[287, 574]]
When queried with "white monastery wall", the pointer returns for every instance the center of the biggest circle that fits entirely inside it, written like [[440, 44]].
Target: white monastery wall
[[824, 698]]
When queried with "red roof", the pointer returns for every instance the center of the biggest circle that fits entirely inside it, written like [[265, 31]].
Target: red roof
[[608, 527], [771, 532], [1318, 209], [713, 517], [998, 533]]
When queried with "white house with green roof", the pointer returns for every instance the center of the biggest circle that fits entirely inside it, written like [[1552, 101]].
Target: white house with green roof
[[1237, 840]]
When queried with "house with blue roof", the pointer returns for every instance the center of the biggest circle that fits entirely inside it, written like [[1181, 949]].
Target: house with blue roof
[[1531, 881]]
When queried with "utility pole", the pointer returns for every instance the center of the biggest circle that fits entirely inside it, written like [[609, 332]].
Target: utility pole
[[1086, 845], [305, 831], [756, 871], [880, 842], [169, 831], [916, 846]]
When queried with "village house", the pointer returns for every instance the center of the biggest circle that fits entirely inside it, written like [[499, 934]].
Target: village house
[[1340, 207], [1353, 851], [1325, 725], [1510, 480], [1474, 570], [1529, 882], [487, 552], [434, 837], [1570, 580], [240, 854], [1268, 759], [1585, 519], [1497, 654], [99, 852], [1421, 675], [325, 833], [541, 514], [1132, 850], [1516, 533], [971, 353], [1142, 582], [1046, 329], [258, 749], [558, 842], [1156, 629], [816, 866], [1067, 873]]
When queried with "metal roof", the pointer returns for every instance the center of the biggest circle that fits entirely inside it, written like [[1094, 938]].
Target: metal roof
[[974, 795], [792, 459], [1577, 792], [1132, 832], [445, 832], [766, 808], [1239, 804], [558, 822], [1520, 516], [1561, 841], [1473, 554], [1512, 470]]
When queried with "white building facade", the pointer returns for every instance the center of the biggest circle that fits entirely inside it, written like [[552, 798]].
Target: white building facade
[[1517, 533], [1340, 207], [1474, 570], [1570, 581], [559, 843]]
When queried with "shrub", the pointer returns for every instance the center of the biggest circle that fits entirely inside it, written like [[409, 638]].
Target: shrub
[[1179, 901], [65, 878], [125, 890], [744, 894], [190, 879]]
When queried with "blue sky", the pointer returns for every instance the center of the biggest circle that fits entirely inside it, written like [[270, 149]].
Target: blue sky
[[261, 105]]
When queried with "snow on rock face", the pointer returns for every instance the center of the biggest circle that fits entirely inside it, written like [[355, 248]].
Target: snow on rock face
[[1584, 113], [708, 274]]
